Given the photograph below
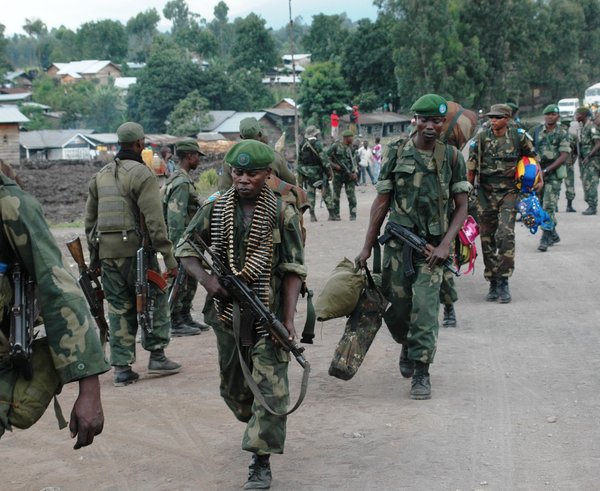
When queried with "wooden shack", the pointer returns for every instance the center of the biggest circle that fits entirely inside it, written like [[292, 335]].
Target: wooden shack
[[10, 119]]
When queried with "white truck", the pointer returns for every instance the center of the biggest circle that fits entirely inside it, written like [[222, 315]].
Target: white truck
[[592, 96], [568, 106]]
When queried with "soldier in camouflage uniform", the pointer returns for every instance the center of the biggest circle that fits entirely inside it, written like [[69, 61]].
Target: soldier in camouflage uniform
[[345, 174], [589, 159], [118, 196], [232, 223], [180, 203], [73, 341], [572, 128], [493, 158], [418, 180], [551, 144], [312, 166]]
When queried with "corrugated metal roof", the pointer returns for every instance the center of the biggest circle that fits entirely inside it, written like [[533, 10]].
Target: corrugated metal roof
[[74, 68], [218, 118], [209, 136], [11, 114], [14, 97], [232, 124], [34, 140], [281, 111], [104, 138], [124, 82]]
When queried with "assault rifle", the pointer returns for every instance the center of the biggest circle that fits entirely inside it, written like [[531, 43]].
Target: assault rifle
[[347, 172], [91, 287], [414, 243], [146, 282], [22, 319], [177, 284]]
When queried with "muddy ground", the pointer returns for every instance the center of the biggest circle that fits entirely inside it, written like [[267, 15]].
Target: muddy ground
[[515, 406]]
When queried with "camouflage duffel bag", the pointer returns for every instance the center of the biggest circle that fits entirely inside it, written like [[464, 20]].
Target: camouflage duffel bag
[[361, 328], [341, 292]]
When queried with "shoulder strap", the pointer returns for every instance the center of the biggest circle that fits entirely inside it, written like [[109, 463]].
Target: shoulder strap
[[536, 137], [453, 124], [439, 153]]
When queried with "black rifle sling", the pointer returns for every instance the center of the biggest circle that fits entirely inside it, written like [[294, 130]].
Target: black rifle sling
[[248, 376]]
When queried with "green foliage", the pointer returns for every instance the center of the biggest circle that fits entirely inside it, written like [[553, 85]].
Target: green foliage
[[190, 115], [37, 120], [5, 65], [106, 109], [222, 30], [322, 90], [207, 182], [189, 29], [141, 31], [327, 36], [102, 40], [253, 46]]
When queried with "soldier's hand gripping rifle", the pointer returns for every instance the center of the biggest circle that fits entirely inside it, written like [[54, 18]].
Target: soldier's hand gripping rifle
[[22, 319], [91, 287], [414, 243], [147, 282], [347, 172]]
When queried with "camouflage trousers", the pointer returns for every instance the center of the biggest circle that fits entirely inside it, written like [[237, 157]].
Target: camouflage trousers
[[497, 213], [338, 182], [265, 433], [590, 176], [550, 196], [308, 183], [185, 296], [448, 295], [570, 182], [412, 316], [118, 282]]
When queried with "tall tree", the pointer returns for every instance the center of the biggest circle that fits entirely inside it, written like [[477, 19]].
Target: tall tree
[[327, 36], [5, 65], [141, 31], [321, 91], [107, 109], [253, 46], [222, 29], [189, 29], [102, 40], [189, 115]]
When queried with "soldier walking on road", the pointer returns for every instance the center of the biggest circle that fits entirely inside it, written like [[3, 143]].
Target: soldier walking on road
[[493, 159], [312, 166], [180, 203], [589, 159], [551, 144], [418, 181], [345, 174], [119, 196]]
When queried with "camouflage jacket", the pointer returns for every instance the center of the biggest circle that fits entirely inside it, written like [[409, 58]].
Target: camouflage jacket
[[495, 158], [312, 161], [70, 329], [340, 153], [588, 136], [288, 251], [139, 186], [412, 177], [180, 203], [548, 145]]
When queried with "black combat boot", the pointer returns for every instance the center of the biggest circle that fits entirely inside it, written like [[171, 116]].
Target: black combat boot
[[570, 208], [420, 387], [259, 473], [545, 241], [503, 291], [313, 217], [554, 236], [449, 316], [179, 327], [124, 375], [492, 295], [407, 367], [589, 211], [187, 317], [159, 364]]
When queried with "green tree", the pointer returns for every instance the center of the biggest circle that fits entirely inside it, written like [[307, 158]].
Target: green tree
[[141, 31], [106, 109], [64, 45], [37, 120], [253, 46], [35, 28], [5, 65], [189, 29], [102, 40], [189, 116], [222, 29], [327, 37], [321, 91]]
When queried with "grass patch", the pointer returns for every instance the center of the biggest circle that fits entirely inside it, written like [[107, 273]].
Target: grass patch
[[75, 224]]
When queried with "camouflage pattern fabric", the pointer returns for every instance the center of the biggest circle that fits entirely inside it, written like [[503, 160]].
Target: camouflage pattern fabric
[[448, 295], [264, 433], [312, 165], [570, 182], [497, 196], [180, 203], [339, 152], [118, 281], [71, 332], [590, 172]]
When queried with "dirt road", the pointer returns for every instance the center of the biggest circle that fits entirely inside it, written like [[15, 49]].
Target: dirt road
[[515, 406]]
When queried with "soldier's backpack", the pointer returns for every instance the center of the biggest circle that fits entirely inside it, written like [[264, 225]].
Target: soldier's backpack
[[361, 328], [341, 292]]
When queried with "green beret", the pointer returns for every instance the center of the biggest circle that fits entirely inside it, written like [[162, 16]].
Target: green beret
[[551, 108], [130, 132], [430, 105], [347, 133], [249, 128], [188, 146], [502, 110], [250, 155], [584, 110]]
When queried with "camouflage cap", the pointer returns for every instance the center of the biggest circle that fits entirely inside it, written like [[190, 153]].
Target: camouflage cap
[[347, 133], [502, 110], [312, 131], [430, 105], [130, 132], [189, 145], [250, 155], [249, 128], [551, 108], [583, 110]]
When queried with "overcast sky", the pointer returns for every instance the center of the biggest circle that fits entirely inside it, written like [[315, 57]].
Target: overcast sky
[[73, 13]]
